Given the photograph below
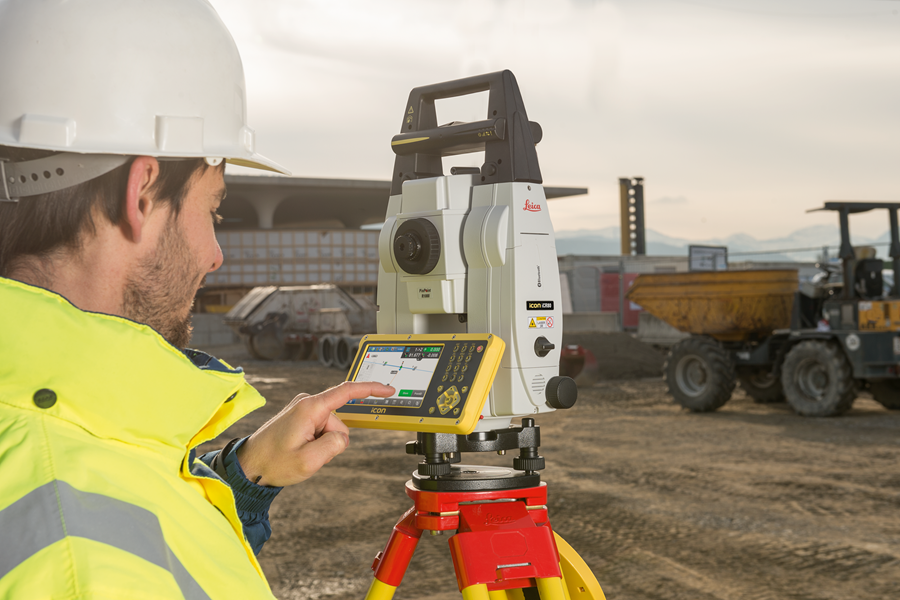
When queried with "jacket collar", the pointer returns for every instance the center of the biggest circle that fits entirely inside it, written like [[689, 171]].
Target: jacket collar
[[113, 377]]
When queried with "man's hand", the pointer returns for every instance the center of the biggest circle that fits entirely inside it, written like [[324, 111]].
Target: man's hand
[[296, 442]]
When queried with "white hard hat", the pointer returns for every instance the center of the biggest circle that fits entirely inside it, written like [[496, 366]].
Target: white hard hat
[[123, 77]]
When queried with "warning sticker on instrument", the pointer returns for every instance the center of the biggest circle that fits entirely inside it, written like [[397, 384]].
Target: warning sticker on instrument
[[540, 322]]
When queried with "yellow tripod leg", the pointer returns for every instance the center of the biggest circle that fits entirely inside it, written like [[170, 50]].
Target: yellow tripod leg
[[478, 591], [579, 581], [551, 588], [380, 591], [498, 595]]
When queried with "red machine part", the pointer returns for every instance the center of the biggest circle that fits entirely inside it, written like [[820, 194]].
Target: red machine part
[[503, 538], [499, 544]]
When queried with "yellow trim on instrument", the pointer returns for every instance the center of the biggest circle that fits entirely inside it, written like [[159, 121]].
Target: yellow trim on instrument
[[478, 393], [409, 141]]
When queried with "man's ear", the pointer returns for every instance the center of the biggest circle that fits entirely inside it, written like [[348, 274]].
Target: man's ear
[[139, 198]]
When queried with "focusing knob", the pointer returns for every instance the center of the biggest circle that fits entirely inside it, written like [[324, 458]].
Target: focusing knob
[[434, 469], [528, 463], [417, 246], [561, 392]]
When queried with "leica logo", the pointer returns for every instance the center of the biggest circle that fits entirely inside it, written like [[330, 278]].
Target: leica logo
[[531, 207], [497, 519]]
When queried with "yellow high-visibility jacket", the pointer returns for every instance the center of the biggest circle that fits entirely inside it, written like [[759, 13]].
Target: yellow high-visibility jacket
[[97, 500]]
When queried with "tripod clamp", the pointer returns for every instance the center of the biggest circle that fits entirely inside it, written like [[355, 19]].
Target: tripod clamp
[[441, 450]]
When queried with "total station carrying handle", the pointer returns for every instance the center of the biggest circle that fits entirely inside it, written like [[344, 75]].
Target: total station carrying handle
[[507, 136]]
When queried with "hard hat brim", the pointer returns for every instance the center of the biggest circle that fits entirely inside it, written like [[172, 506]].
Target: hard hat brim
[[258, 162]]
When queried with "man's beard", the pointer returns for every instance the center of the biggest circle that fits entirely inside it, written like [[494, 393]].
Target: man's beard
[[161, 292]]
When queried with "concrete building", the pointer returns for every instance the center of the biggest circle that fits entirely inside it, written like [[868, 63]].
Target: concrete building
[[301, 230]]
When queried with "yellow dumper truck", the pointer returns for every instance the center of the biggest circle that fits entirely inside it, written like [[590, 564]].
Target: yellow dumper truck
[[816, 350]]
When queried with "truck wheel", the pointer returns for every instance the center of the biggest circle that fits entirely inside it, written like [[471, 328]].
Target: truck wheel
[[302, 349], [762, 385], [886, 392], [699, 374], [818, 379], [251, 350], [266, 345]]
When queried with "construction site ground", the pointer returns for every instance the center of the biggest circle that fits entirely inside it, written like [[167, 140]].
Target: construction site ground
[[750, 502]]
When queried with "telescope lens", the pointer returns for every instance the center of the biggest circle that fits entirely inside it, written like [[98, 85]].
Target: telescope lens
[[408, 246], [417, 246]]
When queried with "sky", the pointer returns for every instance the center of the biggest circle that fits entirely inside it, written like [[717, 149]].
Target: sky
[[741, 115]]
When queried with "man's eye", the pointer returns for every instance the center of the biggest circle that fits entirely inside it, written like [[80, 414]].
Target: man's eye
[[216, 217]]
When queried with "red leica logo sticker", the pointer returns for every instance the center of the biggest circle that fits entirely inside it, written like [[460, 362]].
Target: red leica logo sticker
[[529, 206]]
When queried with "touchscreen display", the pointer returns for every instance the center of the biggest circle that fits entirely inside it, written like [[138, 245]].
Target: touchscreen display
[[408, 369]]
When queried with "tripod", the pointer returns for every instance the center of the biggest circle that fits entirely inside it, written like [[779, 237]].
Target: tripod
[[504, 547]]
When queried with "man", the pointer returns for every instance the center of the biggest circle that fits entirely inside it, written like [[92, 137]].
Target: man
[[115, 121]]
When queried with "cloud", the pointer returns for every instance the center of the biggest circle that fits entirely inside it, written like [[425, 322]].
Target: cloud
[[734, 104]]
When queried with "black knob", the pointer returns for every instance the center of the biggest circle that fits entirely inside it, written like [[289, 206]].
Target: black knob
[[528, 463], [429, 469], [543, 346], [417, 246], [561, 392]]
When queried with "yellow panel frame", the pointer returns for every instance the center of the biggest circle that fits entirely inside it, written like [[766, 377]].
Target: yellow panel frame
[[478, 390]]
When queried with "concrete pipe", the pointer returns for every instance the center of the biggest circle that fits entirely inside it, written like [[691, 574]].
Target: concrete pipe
[[345, 351], [326, 348]]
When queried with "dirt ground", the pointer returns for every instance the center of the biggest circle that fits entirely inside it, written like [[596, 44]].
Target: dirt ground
[[750, 502]]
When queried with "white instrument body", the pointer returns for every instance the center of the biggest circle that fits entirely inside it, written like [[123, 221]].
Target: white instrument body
[[497, 266]]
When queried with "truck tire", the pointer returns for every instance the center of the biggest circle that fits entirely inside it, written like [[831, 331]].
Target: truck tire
[[251, 350], [762, 385], [302, 349], [818, 379], [699, 374], [266, 345], [886, 392]]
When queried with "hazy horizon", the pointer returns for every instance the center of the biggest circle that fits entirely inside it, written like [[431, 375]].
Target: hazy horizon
[[740, 115]]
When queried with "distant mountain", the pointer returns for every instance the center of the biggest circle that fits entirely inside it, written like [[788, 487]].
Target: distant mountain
[[801, 245]]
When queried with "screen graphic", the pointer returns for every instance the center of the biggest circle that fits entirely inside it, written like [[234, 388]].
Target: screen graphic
[[408, 369]]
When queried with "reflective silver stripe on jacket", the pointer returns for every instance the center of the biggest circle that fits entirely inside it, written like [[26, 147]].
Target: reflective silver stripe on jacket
[[55, 510]]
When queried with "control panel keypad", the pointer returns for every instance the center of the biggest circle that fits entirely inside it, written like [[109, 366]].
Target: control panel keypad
[[449, 387]]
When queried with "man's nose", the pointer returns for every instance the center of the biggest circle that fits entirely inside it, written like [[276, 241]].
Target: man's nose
[[219, 259]]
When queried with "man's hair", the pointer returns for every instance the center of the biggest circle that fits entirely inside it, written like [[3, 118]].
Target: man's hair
[[41, 225]]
